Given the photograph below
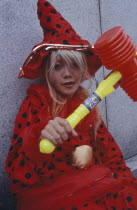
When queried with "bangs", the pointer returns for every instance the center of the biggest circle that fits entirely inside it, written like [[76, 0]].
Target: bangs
[[70, 57]]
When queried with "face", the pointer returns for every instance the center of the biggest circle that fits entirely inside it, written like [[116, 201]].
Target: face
[[66, 79]]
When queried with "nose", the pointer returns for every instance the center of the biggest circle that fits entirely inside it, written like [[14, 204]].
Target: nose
[[67, 72]]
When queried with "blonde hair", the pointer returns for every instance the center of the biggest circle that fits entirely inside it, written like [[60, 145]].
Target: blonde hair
[[71, 58]]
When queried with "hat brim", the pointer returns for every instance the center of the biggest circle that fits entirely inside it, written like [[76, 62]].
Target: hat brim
[[33, 65]]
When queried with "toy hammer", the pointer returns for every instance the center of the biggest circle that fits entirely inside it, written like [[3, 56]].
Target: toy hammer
[[117, 51]]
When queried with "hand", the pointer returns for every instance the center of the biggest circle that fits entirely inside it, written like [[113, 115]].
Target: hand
[[57, 130]]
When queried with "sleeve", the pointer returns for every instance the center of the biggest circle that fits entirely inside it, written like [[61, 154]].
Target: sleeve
[[108, 153], [24, 157], [29, 123]]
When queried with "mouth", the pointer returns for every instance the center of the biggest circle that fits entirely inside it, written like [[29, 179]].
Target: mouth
[[68, 84]]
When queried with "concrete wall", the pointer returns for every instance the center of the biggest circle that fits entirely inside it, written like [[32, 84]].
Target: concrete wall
[[20, 31]]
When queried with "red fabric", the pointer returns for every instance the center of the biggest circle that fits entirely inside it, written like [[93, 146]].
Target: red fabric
[[56, 31], [43, 181]]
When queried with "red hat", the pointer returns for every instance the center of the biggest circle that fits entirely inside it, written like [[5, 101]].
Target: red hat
[[58, 34]]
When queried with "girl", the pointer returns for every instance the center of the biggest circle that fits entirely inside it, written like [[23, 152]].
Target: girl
[[56, 181]]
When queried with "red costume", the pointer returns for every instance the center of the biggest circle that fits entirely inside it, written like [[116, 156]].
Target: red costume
[[43, 181]]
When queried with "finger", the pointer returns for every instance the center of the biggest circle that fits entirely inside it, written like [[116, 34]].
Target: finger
[[46, 135], [64, 123], [56, 136], [52, 135], [74, 133], [60, 130]]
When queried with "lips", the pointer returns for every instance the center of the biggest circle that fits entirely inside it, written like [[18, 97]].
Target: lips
[[68, 84]]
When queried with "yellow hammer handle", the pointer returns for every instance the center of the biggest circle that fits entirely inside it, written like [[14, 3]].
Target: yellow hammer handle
[[106, 87]]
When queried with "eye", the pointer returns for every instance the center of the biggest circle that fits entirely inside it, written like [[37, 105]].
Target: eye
[[58, 66], [75, 65]]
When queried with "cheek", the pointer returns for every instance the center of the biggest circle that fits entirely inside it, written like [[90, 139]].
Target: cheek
[[54, 80], [78, 75]]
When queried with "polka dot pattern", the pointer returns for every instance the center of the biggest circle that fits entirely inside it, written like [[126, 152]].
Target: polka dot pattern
[[26, 166], [56, 30]]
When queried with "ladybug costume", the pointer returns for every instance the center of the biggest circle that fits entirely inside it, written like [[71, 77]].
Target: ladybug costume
[[50, 181]]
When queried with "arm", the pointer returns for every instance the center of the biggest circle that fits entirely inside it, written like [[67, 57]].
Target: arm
[[107, 152]]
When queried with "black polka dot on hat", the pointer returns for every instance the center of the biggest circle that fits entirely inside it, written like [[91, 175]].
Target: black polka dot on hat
[[24, 115], [48, 19], [28, 175], [40, 14], [101, 139], [58, 25], [53, 11], [101, 126], [62, 18], [46, 4], [65, 42], [113, 149], [67, 31], [19, 125], [20, 140], [15, 136]]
